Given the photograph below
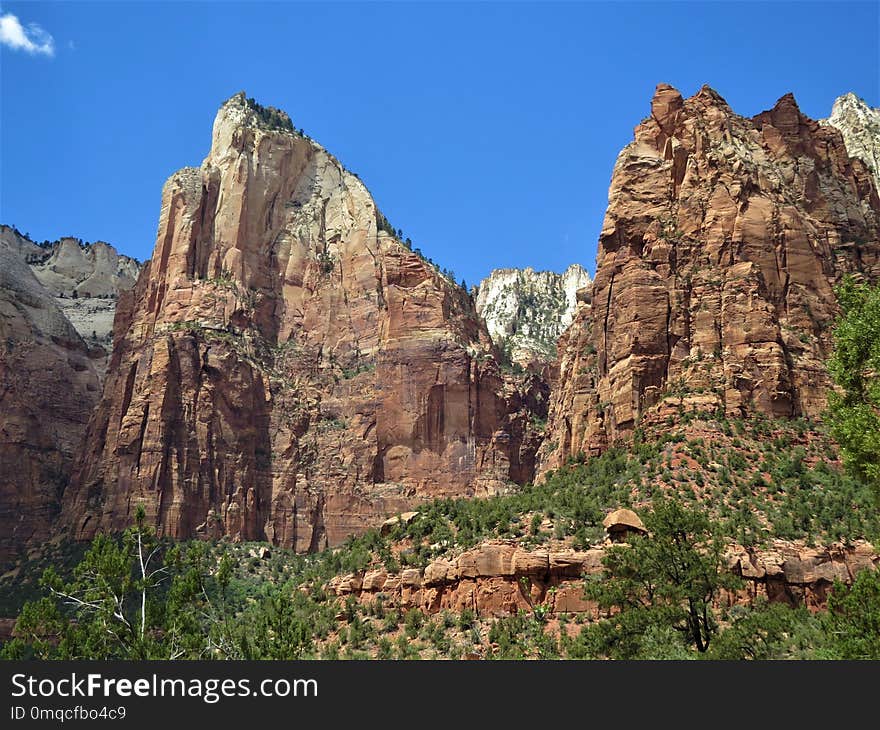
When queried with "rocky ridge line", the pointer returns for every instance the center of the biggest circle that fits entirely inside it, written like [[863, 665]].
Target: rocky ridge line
[[499, 578], [85, 279]]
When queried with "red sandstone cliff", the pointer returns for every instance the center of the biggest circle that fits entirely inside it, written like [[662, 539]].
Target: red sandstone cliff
[[722, 241], [287, 370]]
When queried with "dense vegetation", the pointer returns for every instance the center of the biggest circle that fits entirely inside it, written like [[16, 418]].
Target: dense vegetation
[[854, 417], [744, 481], [136, 597]]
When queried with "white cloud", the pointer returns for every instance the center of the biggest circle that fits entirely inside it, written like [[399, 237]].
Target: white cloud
[[32, 39]]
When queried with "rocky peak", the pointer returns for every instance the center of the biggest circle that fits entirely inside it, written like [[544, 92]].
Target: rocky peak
[[19, 243], [785, 116], [241, 111], [721, 244], [860, 126], [71, 268], [239, 118], [666, 106], [286, 369], [526, 310]]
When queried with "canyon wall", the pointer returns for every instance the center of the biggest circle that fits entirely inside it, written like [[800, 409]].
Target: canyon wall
[[84, 278], [286, 369]]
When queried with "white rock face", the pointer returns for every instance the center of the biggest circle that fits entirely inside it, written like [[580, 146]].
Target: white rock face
[[84, 279], [860, 126], [19, 244], [92, 270], [526, 310], [20, 290]]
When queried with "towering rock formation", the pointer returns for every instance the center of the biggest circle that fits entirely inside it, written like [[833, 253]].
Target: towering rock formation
[[860, 126], [286, 369], [526, 310], [722, 242], [48, 387]]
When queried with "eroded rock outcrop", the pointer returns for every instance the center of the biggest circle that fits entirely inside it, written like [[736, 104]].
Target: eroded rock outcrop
[[499, 578], [20, 244], [526, 310], [721, 244], [285, 369], [49, 383]]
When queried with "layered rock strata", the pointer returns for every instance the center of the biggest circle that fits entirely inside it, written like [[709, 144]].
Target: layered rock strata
[[499, 578]]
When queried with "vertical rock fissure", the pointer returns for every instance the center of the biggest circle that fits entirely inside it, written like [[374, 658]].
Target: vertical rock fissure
[[604, 360]]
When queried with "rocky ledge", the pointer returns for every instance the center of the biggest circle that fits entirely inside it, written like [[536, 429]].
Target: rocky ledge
[[499, 578]]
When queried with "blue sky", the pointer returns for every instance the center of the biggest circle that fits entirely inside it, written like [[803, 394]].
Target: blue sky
[[486, 131]]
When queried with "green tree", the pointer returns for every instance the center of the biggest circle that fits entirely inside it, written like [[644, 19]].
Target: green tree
[[131, 597], [854, 414], [107, 609], [764, 631], [853, 618], [279, 627], [670, 578]]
